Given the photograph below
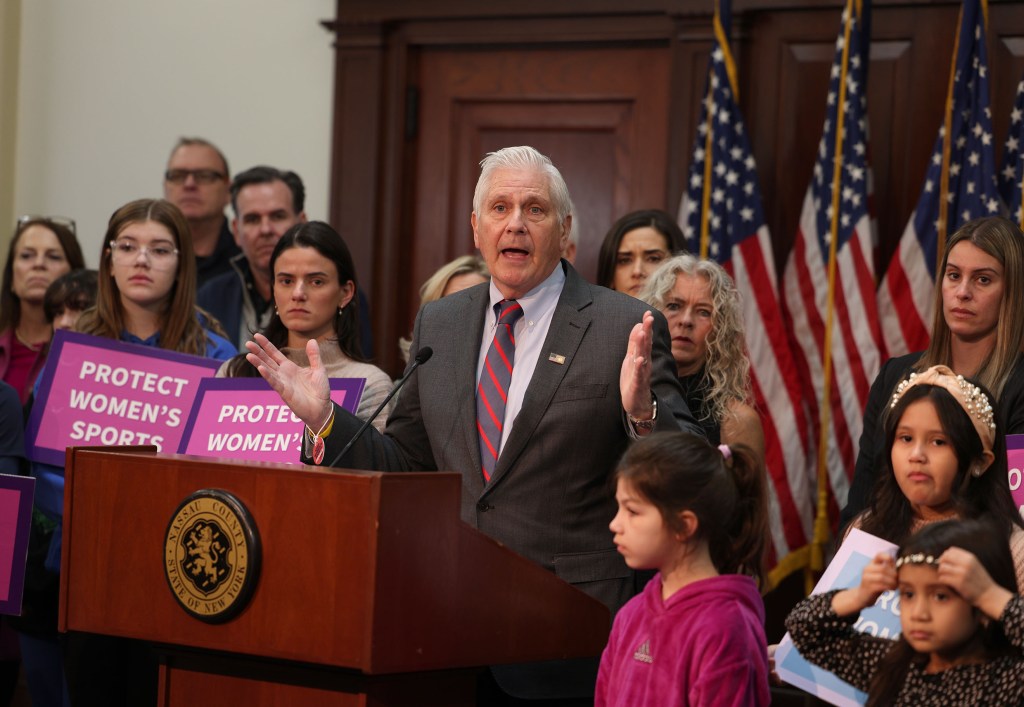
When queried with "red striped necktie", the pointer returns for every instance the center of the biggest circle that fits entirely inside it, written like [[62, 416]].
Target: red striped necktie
[[492, 392]]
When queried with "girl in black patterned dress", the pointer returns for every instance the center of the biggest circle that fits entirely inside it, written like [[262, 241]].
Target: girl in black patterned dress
[[961, 617]]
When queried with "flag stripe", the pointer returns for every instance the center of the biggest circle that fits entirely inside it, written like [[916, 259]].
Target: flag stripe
[[962, 168], [842, 181], [721, 212]]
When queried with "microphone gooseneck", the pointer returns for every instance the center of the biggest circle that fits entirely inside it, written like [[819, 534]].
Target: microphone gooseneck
[[422, 356]]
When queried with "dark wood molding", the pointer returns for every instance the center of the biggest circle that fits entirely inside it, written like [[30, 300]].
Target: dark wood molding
[[388, 53]]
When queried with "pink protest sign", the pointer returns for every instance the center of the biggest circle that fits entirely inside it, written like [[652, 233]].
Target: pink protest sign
[[243, 418], [1015, 465], [15, 518], [97, 391]]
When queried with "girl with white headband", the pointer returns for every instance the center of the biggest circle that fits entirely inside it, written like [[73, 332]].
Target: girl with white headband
[[695, 635], [944, 459], [961, 619]]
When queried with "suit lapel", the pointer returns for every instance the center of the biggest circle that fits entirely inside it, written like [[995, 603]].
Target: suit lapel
[[569, 324], [466, 359]]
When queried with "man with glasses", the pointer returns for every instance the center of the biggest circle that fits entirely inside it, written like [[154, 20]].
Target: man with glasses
[[197, 181]]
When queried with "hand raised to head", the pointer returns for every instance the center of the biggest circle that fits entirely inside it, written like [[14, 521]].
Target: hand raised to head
[[965, 575], [306, 391]]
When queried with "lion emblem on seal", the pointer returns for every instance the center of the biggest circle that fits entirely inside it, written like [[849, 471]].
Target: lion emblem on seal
[[205, 564]]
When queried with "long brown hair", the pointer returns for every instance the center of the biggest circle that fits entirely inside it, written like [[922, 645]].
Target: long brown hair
[[181, 328], [10, 304], [1004, 241]]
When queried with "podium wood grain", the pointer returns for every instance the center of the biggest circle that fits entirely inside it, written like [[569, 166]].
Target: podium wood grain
[[363, 574]]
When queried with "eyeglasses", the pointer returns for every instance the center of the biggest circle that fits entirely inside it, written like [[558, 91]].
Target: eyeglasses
[[160, 256], [201, 176], [68, 223]]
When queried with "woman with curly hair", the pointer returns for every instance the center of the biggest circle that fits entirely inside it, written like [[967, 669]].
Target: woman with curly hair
[[702, 306]]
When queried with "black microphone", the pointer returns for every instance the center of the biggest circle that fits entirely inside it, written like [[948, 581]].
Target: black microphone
[[422, 356]]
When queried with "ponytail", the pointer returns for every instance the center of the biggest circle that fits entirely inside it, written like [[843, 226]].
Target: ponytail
[[724, 487], [741, 548]]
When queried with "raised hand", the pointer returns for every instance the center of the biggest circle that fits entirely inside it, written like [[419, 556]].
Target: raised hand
[[965, 575], [635, 375], [306, 391], [879, 576]]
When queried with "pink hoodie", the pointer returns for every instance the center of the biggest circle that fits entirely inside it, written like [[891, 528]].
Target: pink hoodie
[[704, 646]]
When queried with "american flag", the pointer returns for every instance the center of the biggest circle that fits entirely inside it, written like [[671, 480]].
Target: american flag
[[829, 279], [960, 185], [721, 216], [1012, 174]]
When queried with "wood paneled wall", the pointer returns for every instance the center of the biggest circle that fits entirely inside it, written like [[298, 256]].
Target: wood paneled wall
[[611, 91]]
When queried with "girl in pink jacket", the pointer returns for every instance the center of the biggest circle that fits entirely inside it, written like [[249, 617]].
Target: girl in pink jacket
[[695, 635]]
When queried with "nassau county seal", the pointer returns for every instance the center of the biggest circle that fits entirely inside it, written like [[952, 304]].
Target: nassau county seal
[[212, 555]]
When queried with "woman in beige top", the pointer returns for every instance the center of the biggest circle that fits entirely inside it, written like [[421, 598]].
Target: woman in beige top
[[314, 285]]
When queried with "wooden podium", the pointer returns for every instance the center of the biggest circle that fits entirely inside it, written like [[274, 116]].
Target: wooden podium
[[371, 589]]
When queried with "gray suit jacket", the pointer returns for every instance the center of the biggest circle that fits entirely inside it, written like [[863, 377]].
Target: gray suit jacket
[[549, 498]]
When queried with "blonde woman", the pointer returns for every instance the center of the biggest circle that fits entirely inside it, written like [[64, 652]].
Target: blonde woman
[[702, 306], [450, 278]]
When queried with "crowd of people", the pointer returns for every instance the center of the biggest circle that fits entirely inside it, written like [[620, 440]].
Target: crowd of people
[[605, 431]]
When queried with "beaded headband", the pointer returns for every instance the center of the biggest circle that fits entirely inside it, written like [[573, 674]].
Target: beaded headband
[[974, 402], [918, 558]]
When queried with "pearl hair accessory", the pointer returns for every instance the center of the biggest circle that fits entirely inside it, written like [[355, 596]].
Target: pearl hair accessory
[[974, 402], [918, 558]]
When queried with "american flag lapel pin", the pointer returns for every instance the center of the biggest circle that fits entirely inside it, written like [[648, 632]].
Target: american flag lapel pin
[[556, 358]]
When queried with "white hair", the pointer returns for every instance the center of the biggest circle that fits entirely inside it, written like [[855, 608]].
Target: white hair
[[523, 157]]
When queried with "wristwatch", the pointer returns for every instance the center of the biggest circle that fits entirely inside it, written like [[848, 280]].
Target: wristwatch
[[645, 424]]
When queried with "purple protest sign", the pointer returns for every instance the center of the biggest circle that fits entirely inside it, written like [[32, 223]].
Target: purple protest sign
[[15, 519], [97, 391], [1015, 466], [243, 418]]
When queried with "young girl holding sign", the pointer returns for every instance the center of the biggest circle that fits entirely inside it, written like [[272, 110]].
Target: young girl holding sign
[[962, 622], [945, 460], [695, 635], [147, 284], [146, 295]]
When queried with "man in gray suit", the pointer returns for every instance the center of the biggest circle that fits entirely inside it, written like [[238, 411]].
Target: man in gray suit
[[567, 422], [592, 370]]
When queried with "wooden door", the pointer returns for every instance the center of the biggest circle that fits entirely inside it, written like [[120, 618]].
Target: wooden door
[[600, 115]]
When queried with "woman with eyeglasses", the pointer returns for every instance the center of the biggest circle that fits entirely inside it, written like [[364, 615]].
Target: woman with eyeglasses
[[146, 295], [42, 250], [147, 284]]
